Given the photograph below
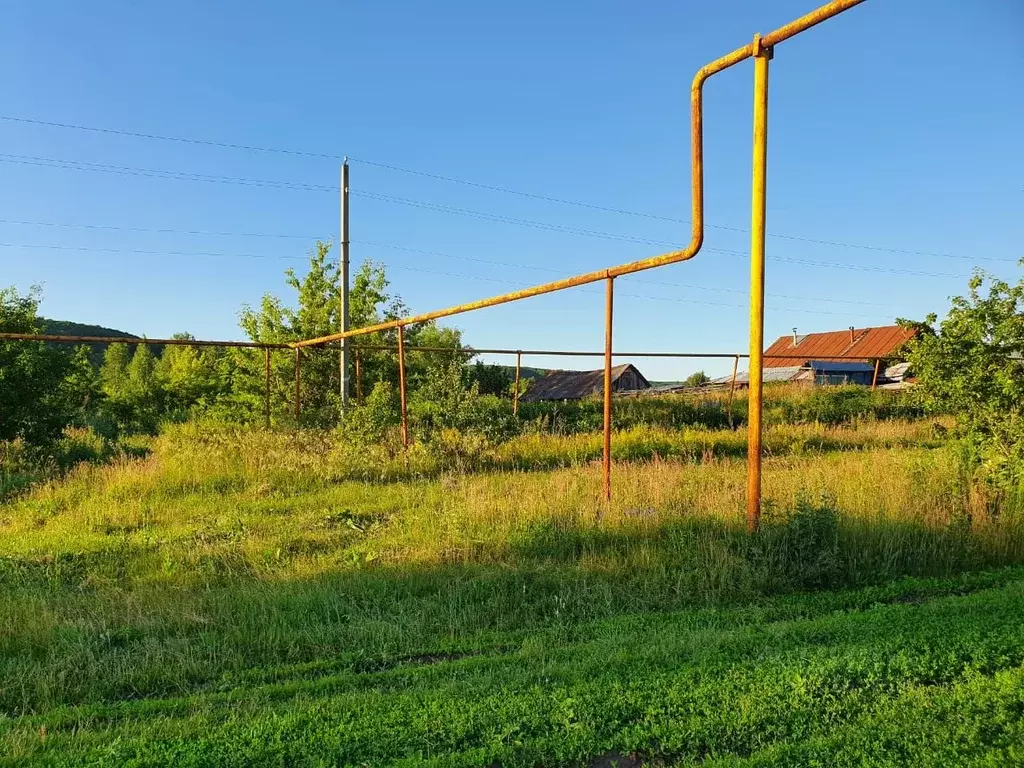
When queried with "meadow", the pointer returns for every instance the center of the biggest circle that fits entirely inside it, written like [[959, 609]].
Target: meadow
[[220, 595]]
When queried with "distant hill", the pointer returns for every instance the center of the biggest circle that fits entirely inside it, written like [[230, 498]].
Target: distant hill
[[69, 328], [524, 371]]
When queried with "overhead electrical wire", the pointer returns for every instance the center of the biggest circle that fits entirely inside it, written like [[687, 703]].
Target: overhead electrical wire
[[211, 254], [632, 278], [805, 262], [472, 214], [169, 231], [478, 185], [161, 137]]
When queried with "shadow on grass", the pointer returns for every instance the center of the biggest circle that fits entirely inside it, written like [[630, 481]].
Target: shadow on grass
[[100, 626]]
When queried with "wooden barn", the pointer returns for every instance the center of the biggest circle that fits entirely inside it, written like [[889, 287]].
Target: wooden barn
[[577, 385]]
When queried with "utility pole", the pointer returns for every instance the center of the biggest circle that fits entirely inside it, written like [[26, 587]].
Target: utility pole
[[343, 294]]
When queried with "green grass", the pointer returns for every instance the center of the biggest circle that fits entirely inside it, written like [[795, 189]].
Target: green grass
[[244, 598], [920, 672]]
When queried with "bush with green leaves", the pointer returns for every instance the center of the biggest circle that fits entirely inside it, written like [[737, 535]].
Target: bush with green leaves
[[43, 388], [972, 365]]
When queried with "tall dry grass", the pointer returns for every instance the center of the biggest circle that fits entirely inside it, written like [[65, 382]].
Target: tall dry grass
[[222, 550]]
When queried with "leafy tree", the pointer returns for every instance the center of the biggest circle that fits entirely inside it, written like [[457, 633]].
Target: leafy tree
[[696, 379], [191, 376], [34, 403], [114, 371], [316, 313], [142, 381], [82, 385], [972, 365], [492, 379]]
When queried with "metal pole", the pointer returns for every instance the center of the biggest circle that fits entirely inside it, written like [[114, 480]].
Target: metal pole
[[515, 393], [298, 384], [401, 386], [343, 292], [874, 378], [359, 380], [732, 385], [266, 394], [609, 295], [755, 396]]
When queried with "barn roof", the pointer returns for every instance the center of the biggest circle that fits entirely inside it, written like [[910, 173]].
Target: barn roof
[[865, 343], [575, 385]]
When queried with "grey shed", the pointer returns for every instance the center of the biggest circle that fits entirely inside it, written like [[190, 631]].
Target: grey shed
[[577, 385]]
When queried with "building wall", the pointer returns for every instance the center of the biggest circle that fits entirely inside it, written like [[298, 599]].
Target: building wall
[[629, 381]]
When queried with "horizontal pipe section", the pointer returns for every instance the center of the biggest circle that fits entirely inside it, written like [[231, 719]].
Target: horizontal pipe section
[[130, 340], [576, 353], [807, 21], [385, 348]]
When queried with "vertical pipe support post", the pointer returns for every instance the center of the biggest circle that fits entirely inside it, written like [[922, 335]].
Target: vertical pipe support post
[[298, 384], [732, 386], [607, 454], [266, 387], [762, 55], [359, 379], [401, 386], [515, 391]]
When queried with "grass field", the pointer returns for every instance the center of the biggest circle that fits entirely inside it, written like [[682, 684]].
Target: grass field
[[254, 598]]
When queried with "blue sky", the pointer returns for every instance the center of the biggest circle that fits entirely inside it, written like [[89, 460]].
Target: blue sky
[[896, 126]]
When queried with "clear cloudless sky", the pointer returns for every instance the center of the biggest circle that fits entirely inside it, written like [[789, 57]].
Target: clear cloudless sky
[[897, 125]]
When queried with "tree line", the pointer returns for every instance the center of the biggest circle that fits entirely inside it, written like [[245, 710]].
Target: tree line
[[44, 388]]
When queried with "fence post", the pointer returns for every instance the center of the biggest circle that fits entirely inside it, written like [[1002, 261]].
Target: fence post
[[515, 392], [732, 385], [874, 378], [401, 387], [298, 384], [266, 392], [609, 295], [755, 397], [359, 380]]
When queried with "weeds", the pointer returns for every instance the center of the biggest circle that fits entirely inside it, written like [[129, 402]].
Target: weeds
[[246, 597]]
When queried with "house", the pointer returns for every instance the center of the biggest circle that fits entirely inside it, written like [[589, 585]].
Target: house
[[577, 385], [855, 345], [835, 357]]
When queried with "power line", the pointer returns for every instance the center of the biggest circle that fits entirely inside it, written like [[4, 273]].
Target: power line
[[671, 219], [178, 139], [480, 185], [205, 254], [160, 231], [164, 230], [502, 219], [76, 165], [785, 259], [690, 286]]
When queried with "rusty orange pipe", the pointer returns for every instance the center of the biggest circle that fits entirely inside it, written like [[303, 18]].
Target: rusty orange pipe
[[732, 385], [359, 380], [401, 386], [266, 393], [696, 181], [298, 385], [607, 456], [805, 22], [515, 392]]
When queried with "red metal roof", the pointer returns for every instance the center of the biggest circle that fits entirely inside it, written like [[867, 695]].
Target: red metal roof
[[866, 343]]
